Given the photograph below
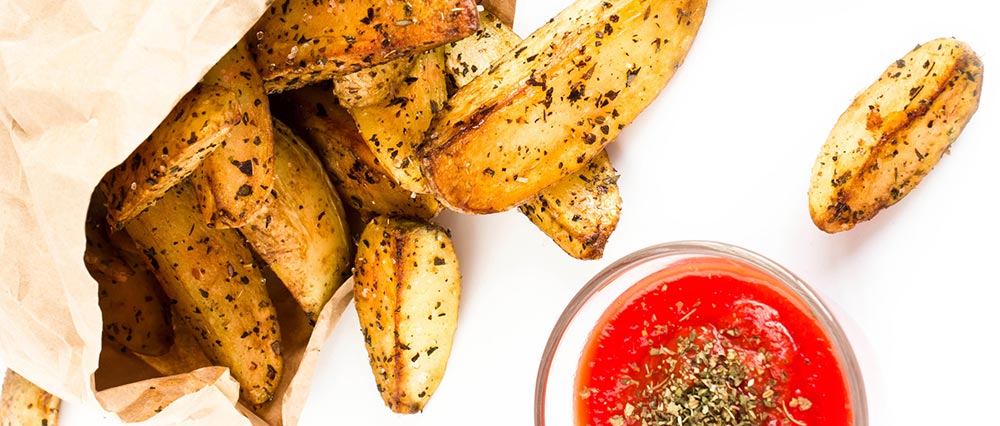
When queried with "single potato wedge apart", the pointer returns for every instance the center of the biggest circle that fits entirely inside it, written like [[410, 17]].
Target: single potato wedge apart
[[394, 129], [216, 286], [23, 403], [362, 183], [372, 86], [894, 133], [406, 291], [581, 211], [302, 232], [133, 308], [195, 127], [550, 105], [233, 182], [301, 42]]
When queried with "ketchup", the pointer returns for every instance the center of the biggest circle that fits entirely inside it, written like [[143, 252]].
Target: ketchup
[[713, 341]]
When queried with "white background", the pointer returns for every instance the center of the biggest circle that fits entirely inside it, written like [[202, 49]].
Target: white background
[[725, 154]]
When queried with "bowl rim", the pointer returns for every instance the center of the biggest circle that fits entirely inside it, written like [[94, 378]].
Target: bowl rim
[[841, 345]]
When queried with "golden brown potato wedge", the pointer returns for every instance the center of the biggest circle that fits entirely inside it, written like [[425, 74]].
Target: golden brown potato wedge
[[196, 126], [134, 311], [406, 291], [233, 182], [23, 403], [216, 287], [393, 130], [372, 86], [362, 184], [184, 356], [581, 211], [894, 133], [302, 232], [301, 42], [469, 57], [550, 105]]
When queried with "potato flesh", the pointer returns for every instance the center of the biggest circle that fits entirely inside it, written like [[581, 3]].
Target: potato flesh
[[894, 133], [301, 233], [195, 127], [555, 101], [407, 290], [469, 57], [23, 403], [362, 184], [215, 286], [233, 181], [133, 310], [393, 130], [301, 42], [372, 86]]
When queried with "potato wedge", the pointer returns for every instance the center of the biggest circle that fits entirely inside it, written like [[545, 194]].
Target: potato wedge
[[580, 212], [894, 133], [406, 291], [374, 85], [362, 184], [555, 101], [393, 130], [301, 42], [184, 356], [216, 286], [233, 182], [134, 311], [23, 403], [302, 232], [469, 57], [195, 127]]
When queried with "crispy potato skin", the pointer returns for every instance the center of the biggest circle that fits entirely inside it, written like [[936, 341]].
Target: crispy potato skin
[[894, 133], [374, 85], [233, 181], [134, 311], [195, 127], [581, 211], [23, 403], [578, 212], [363, 185], [394, 129], [550, 105], [302, 232], [406, 291], [216, 287], [300, 42]]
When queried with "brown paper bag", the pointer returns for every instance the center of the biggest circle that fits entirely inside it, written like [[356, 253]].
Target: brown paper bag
[[82, 83]]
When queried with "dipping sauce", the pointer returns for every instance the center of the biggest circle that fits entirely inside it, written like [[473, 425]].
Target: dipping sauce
[[710, 341]]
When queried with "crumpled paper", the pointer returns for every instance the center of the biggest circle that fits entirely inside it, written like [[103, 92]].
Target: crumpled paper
[[82, 83]]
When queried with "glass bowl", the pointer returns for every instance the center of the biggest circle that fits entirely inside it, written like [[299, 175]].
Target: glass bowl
[[555, 384]]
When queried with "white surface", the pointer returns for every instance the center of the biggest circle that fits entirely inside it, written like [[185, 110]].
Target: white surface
[[725, 153]]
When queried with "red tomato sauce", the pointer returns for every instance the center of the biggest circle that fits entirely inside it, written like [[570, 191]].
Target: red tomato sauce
[[655, 332]]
